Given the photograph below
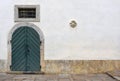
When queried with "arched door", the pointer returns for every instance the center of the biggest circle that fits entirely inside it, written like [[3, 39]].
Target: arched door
[[25, 50]]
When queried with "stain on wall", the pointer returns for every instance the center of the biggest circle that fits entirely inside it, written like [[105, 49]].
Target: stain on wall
[[81, 66], [74, 66], [3, 66]]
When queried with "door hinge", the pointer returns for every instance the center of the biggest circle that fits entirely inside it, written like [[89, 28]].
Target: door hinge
[[40, 42], [10, 67], [40, 66]]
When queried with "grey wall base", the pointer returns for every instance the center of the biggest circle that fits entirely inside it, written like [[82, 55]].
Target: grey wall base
[[3, 66], [74, 66]]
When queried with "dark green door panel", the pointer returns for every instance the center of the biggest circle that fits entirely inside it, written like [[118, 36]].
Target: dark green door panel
[[25, 50], [33, 56]]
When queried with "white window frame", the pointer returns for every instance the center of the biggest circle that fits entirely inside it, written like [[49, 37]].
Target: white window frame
[[16, 13]]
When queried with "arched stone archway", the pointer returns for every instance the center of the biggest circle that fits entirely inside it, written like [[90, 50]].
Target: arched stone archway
[[41, 36]]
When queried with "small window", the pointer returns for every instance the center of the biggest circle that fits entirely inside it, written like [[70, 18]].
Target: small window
[[27, 13]]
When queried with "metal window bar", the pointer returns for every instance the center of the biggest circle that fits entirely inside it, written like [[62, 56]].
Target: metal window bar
[[27, 13]]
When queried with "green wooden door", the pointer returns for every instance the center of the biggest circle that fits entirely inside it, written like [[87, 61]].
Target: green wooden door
[[25, 50]]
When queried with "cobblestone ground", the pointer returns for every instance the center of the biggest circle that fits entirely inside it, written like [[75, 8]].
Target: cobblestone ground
[[59, 77]]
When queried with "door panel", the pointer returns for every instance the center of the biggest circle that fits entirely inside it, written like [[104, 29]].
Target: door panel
[[18, 50], [33, 55], [25, 50]]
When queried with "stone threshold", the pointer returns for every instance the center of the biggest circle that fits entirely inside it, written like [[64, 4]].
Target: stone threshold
[[25, 72], [114, 74]]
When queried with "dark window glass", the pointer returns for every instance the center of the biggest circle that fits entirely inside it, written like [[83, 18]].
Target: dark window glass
[[27, 12]]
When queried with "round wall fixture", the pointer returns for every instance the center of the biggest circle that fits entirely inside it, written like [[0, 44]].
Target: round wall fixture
[[73, 23]]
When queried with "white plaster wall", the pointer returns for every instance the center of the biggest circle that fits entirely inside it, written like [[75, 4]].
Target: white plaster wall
[[97, 35]]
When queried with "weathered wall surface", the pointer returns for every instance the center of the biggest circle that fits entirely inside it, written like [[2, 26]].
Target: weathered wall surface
[[74, 66], [81, 66], [3, 66]]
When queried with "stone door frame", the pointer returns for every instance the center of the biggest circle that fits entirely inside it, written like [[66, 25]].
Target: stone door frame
[[38, 30]]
